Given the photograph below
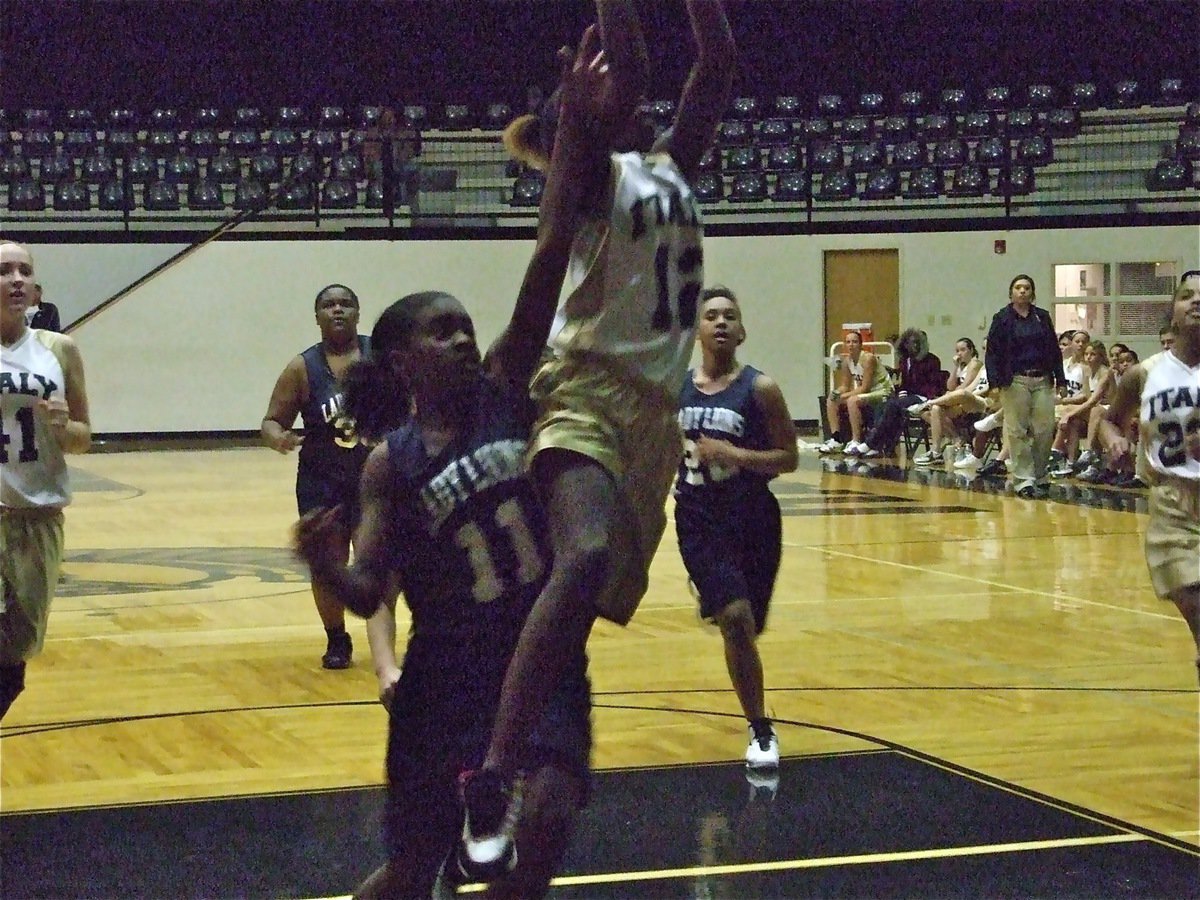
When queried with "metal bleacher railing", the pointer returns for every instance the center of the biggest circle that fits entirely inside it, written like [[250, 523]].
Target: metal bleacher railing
[[1049, 152]]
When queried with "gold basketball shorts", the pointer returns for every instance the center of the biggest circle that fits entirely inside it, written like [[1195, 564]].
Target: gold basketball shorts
[[1173, 535], [29, 567]]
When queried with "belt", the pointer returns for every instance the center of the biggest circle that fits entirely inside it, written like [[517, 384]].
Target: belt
[[1033, 373]]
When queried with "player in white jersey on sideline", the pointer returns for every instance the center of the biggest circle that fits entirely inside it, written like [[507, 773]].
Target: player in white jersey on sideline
[[606, 446], [1165, 392], [43, 414]]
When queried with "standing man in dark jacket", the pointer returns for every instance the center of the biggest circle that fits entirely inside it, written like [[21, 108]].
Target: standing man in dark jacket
[[1024, 363]]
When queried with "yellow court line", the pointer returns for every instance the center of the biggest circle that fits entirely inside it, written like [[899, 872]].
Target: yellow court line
[[996, 584], [785, 865]]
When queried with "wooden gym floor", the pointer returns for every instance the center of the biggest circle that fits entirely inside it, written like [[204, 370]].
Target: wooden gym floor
[[976, 695]]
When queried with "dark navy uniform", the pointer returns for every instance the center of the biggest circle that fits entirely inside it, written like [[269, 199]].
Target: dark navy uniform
[[331, 456], [472, 548], [727, 520]]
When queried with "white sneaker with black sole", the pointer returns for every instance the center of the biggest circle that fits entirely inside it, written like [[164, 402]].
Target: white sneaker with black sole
[[763, 751]]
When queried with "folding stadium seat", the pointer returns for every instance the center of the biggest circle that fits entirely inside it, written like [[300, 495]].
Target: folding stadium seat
[[1035, 150], [867, 156], [114, 197], [954, 100], [830, 105], [284, 141], [783, 159], [416, 116], [373, 199], [870, 103], [1040, 96], [121, 118], [792, 187], [1084, 95], [1169, 175], [244, 142], [1016, 181], [497, 116], [266, 167], [743, 159], [72, 195], [979, 123], [710, 161], [894, 129], [924, 184], [348, 165], [817, 129], [1126, 94], [1170, 92], [748, 186], [458, 117], [14, 167], [205, 194], [910, 155], [857, 128], [911, 103], [250, 118], [992, 151], [55, 168], [304, 167], [708, 187], [37, 141], [203, 141], [325, 143], [26, 195], [142, 166], [207, 118], [339, 194], [836, 186], [163, 118], [1021, 123], [950, 153], [773, 132], [663, 111], [882, 184], [1186, 147], [826, 156], [38, 119], [786, 106], [937, 127], [298, 195], [291, 117], [182, 168], [161, 196], [528, 189], [99, 165], [1192, 114], [745, 108], [969, 181], [120, 141], [332, 118], [369, 116], [1063, 122], [78, 141], [249, 194], [732, 132], [997, 98]]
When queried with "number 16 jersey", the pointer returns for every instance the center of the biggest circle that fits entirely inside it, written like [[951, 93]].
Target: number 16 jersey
[[637, 273]]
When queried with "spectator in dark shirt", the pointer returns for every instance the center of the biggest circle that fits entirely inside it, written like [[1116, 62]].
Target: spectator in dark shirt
[[40, 314], [921, 379], [1024, 363]]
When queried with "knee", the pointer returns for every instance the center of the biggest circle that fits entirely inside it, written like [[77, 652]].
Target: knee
[[736, 622]]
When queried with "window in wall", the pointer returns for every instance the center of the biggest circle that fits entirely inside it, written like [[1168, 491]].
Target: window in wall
[[1146, 279], [1135, 306]]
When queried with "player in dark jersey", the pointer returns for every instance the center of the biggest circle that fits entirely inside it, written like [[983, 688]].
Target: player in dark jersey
[[451, 519], [738, 435], [331, 454]]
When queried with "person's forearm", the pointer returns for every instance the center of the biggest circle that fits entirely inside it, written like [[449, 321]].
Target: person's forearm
[[381, 636], [75, 437], [766, 462]]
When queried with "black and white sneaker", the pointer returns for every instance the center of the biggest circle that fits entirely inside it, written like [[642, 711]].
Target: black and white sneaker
[[487, 850], [763, 751]]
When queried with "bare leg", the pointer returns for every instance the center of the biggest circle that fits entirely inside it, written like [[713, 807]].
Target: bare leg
[[742, 658], [855, 414]]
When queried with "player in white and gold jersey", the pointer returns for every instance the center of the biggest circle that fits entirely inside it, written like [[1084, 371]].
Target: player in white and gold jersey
[[43, 414], [1166, 395]]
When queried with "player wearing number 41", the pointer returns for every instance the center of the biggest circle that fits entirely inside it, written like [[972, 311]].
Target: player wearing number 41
[[43, 414], [1164, 391], [451, 518], [607, 443], [738, 435]]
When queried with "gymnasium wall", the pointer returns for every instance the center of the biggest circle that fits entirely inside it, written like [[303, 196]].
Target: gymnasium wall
[[198, 347]]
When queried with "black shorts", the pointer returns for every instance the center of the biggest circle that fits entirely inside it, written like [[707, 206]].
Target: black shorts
[[731, 550], [324, 492], [440, 724]]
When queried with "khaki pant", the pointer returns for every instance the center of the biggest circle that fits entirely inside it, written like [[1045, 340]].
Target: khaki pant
[[1028, 405], [1173, 536], [29, 567]]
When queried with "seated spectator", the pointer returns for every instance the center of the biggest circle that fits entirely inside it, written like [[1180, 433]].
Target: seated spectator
[[861, 386], [40, 314], [958, 408], [1099, 470], [920, 379], [1074, 392], [1072, 423]]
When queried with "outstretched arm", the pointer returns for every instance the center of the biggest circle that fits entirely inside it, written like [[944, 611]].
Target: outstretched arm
[[625, 48], [706, 92]]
